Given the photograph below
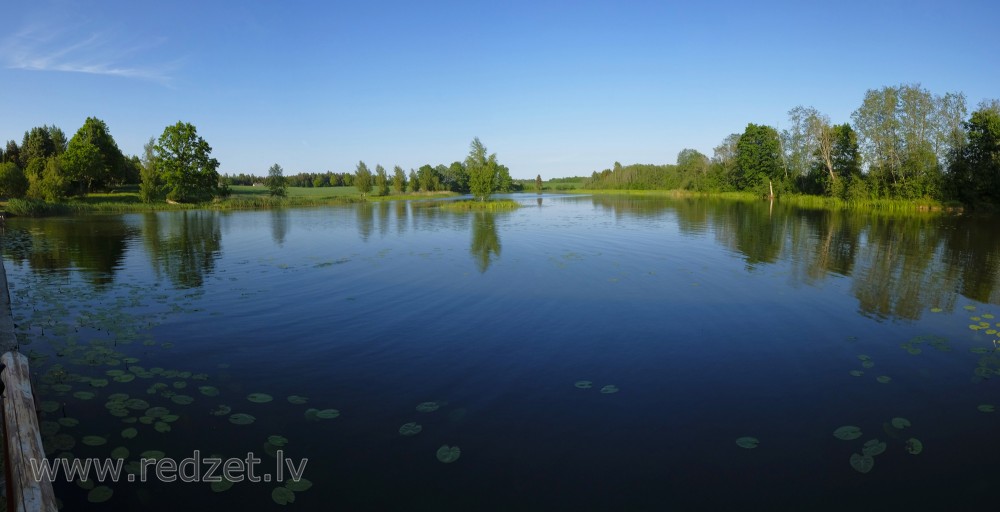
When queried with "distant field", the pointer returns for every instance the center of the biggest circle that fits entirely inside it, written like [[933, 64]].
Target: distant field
[[311, 192]]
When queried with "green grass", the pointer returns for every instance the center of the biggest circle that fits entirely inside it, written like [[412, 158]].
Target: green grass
[[493, 205]]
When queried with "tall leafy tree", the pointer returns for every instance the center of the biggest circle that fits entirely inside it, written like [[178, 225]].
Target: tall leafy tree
[[149, 176], [398, 180], [47, 181], [12, 152], [92, 158], [185, 164], [758, 158], [363, 179], [414, 181], [975, 174], [538, 183], [37, 143], [482, 169], [59, 142], [381, 181], [426, 174], [13, 183], [455, 178], [276, 182]]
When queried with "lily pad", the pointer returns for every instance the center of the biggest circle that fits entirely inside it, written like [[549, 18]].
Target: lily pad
[[609, 389], [100, 494], [856, 373], [448, 454], [884, 379], [282, 495], [584, 384], [864, 357], [900, 423], [49, 406], [862, 463], [847, 433], [873, 447], [153, 454], [181, 399], [157, 412], [936, 310], [328, 414], [129, 433], [428, 407], [868, 363], [277, 440], [241, 419], [94, 440], [68, 422], [99, 383], [84, 395], [914, 446], [259, 398], [119, 453], [221, 410], [986, 408], [410, 429], [161, 427], [297, 400], [209, 390], [298, 485], [747, 442]]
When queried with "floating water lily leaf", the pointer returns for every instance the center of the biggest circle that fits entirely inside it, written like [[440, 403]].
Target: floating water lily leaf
[[986, 408], [84, 395], [277, 440], [180, 384], [119, 453], [979, 350], [936, 310], [298, 485], [328, 414], [259, 398], [209, 390], [609, 389], [987, 316], [410, 429], [448, 454], [747, 442], [153, 454], [221, 410], [900, 423], [99, 383], [128, 377], [873, 447], [856, 373], [138, 404], [170, 418], [49, 406], [282, 495], [974, 327], [117, 397], [181, 399], [884, 379], [297, 400], [100, 494], [584, 384], [428, 407], [68, 422], [970, 308], [157, 412], [914, 446], [975, 318], [862, 463], [129, 433], [868, 363], [161, 427], [222, 485], [241, 419], [847, 432], [94, 440], [864, 357]]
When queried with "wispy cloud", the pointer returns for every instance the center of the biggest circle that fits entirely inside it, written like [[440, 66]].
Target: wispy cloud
[[41, 48]]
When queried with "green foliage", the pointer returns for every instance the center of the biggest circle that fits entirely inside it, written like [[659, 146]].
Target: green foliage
[[13, 183], [428, 178], [11, 153], [37, 143], [150, 185], [381, 181], [50, 184], [758, 159], [538, 183], [975, 173], [363, 179], [482, 169], [92, 158], [414, 182], [185, 164], [493, 205], [275, 181], [455, 178], [35, 208], [398, 180]]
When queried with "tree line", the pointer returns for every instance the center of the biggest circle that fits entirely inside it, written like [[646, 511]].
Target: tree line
[[46, 166], [903, 142]]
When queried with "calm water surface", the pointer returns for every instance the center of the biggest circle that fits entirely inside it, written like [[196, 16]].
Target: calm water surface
[[714, 320]]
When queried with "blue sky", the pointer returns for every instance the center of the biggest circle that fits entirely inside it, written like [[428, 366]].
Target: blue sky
[[554, 88]]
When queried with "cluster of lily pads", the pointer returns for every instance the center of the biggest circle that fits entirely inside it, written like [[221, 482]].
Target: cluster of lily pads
[[446, 454], [586, 384], [867, 362], [864, 462]]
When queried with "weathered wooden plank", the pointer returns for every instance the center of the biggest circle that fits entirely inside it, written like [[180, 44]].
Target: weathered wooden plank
[[22, 438]]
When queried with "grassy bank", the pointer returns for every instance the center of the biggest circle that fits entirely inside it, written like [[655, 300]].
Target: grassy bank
[[493, 205], [241, 198], [800, 200]]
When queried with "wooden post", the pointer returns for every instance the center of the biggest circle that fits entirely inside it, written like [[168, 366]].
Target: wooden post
[[22, 439]]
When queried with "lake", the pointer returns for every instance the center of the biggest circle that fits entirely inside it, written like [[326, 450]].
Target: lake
[[582, 352]]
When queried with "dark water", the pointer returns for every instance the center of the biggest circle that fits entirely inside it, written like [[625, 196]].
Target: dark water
[[715, 320]]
